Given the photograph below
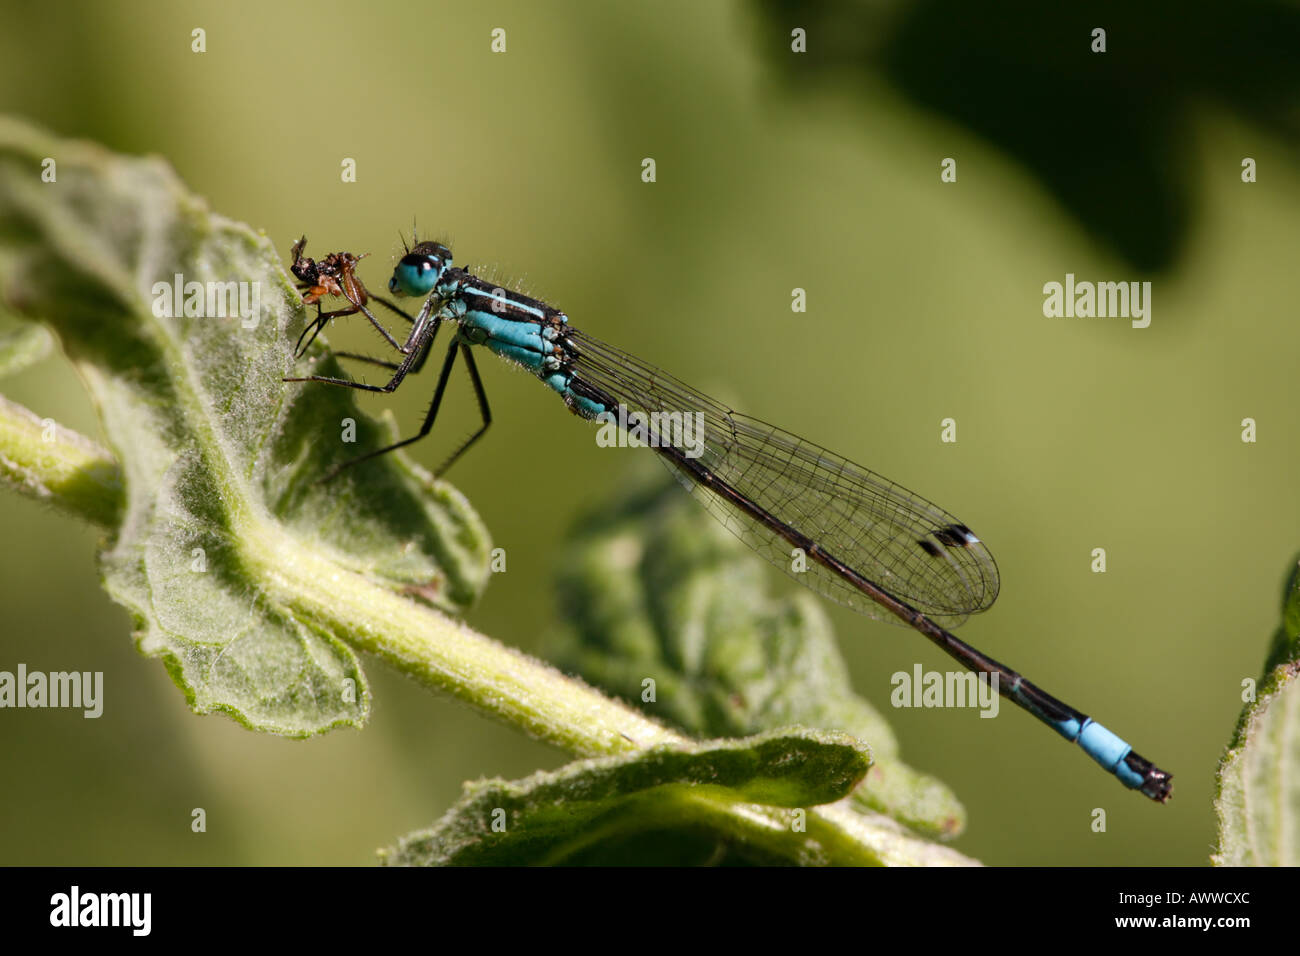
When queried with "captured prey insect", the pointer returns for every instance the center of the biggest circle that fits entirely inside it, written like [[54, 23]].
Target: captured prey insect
[[334, 275], [871, 545]]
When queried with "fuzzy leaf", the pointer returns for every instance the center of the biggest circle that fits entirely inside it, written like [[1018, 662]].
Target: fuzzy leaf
[[660, 805], [1258, 802], [21, 344], [651, 589], [228, 552]]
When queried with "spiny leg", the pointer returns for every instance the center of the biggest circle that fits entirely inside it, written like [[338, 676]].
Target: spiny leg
[[369, 360], [426, 333], [424, 357], [318, 326], [391, 307], [383, 331], [443, 376], [323, 318], [391, 366], [483, 408]]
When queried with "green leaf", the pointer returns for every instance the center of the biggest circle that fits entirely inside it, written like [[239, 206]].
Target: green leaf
[[255, 584], [666, 805], [651, 589], [1258, 801], [235, 564], [22, 344]]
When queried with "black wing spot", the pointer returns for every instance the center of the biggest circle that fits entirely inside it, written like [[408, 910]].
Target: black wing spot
[[929, 547], [955, 536]]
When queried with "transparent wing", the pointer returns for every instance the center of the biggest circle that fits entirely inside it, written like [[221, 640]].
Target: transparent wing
[[907, 545]]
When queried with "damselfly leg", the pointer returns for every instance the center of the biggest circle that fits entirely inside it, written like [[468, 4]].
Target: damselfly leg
[[336, 275]]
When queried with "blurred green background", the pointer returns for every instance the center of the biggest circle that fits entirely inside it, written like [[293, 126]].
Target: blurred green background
[[774, 172]]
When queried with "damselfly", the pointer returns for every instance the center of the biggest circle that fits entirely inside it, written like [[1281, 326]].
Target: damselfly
[[868, 543]]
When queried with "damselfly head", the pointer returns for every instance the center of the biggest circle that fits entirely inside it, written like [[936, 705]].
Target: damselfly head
[[419, 270]]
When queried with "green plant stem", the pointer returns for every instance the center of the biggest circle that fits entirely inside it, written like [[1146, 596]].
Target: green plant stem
[[82, 479], [43, 460], [70, 471]]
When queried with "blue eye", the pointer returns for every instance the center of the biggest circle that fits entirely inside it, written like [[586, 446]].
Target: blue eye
[[415, 275]]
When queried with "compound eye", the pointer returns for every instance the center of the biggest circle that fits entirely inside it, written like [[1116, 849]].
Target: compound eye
[[415, 275]]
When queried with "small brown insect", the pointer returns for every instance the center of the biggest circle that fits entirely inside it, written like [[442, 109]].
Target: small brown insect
[[334, 275]]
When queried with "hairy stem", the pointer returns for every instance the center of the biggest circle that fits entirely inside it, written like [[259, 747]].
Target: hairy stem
[[46, 461], [40, 459]]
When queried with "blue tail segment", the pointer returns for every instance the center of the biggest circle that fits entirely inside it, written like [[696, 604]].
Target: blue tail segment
[[1103, 746]]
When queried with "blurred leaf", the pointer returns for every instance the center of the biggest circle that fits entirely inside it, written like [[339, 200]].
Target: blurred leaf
[[223, 518], [662, 805], [22, 344], [652, 590], [1109, 135], [1258, 801]]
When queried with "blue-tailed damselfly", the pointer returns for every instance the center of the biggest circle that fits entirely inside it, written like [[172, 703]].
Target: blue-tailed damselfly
[[870, 544]]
